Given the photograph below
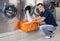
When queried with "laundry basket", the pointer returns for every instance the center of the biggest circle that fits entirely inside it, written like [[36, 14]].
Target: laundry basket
[[29, 26]]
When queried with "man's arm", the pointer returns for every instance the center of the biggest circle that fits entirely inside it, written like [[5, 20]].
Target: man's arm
[[39, 19]]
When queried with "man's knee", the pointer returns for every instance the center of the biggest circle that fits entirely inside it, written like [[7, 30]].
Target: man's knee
[[42, 27]]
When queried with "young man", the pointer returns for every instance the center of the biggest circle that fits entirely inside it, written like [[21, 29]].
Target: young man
[[47, 17]]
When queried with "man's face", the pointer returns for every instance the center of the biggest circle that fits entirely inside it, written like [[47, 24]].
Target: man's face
[[40, 8]]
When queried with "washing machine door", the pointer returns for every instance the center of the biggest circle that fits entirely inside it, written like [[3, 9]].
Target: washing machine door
[[35, 11], [29, 8]]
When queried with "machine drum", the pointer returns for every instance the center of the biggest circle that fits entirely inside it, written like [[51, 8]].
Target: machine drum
[[10, 11]]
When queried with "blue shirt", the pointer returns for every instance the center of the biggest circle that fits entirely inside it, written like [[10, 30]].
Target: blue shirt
[[49, 17]]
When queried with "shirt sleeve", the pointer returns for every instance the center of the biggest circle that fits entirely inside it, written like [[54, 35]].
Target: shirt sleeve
[[45, 14]]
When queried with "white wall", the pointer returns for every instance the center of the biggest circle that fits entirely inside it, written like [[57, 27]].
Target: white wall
[[32, 2], [58, 13], [15, 2]]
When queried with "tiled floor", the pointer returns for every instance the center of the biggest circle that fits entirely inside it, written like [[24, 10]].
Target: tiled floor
[[31, 36]]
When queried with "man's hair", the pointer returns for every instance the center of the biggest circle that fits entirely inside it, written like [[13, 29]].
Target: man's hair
[[40, 4]]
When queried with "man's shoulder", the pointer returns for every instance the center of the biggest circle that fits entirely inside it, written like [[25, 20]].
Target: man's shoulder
[[48, 11]]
